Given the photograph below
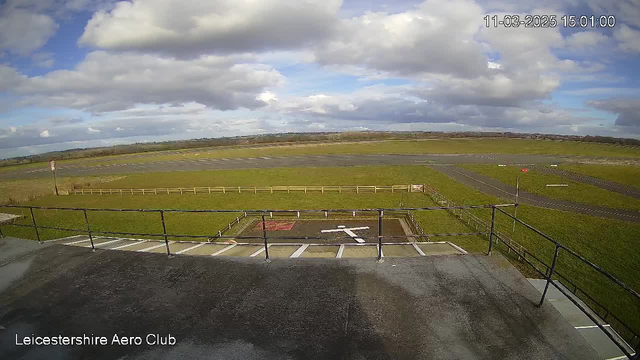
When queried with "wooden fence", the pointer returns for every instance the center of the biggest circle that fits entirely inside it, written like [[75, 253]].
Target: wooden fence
[[255, 189]]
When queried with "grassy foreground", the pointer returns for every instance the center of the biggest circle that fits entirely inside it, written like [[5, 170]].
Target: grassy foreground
[[17, 191], [535, 182]]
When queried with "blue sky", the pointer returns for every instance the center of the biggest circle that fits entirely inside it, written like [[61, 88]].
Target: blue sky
[[83, 73]]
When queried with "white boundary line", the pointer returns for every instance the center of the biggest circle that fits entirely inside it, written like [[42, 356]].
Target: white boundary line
[[104, 243], [259, 251], [418, 250], [223, 250], [381, 251], [190, 248], [127, 245], [300, 250], [153, 247], [75, 242], [64, 238], [591, 326], [458, 247], [340, 251]]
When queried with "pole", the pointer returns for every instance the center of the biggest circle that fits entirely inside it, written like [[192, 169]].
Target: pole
[[264, 236], [515, 208], [380, 214], [493, 222], [1, 234], [550, 277], [164, 231], [33, 218], [55, 182], [86, 220]]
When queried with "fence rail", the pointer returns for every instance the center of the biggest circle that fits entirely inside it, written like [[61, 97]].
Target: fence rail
[[255, 189]]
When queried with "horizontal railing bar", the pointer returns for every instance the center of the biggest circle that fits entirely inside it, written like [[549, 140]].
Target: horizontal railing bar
[[263, 211]]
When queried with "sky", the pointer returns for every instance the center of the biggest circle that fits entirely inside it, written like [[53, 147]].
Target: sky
[[83, 73]]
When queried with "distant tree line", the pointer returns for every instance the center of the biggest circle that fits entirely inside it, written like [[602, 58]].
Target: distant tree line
[[284, 138]]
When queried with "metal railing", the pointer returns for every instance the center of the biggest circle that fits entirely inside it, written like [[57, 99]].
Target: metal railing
[[253, 189], [548, 274]]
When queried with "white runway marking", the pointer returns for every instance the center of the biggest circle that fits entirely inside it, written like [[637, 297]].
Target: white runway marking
[[189, 248], [340, 251], [300, 250], [349, 231], [104, 243], [154, 247], [259, 251], [223, 250], [127, 245], [76, 242]]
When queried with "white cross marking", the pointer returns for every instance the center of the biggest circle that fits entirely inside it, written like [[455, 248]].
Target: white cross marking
[[349, 231]]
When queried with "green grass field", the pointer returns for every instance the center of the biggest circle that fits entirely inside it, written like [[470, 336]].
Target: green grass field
[[535, 181], [609, 243], [425, 146], [627, 175]]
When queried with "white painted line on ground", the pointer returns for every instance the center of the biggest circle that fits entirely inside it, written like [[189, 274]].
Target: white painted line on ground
[[259, 251], [223, 250], [190, 248], [381, 251], [64, 238], [590, 326], [620, 357], [300, 250], [76, 242], [457, 247], [104, 243], [127, 245], [154, 247], [340, 251], [418, 249]]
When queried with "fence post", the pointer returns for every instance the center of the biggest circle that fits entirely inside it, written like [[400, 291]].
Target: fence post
[[380, 214], [264, 236], [1, 234], [33, 218], [550, 277], [493, 219], [86, 220], [164, 231]]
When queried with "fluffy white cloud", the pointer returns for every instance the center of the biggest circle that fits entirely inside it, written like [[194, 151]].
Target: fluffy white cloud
[[191, 27], [44, 134], [628, 38], [435, 37], [106, 82]]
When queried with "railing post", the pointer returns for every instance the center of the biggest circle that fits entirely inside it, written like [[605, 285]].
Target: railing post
[[164, 231], [550, 277], [35, 226], [380, 214], [1, 234], [264, 236], [86, 220], [493, 221]]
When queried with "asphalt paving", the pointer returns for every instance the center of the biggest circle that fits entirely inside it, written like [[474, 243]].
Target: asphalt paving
[[496, 188], [438, 307]]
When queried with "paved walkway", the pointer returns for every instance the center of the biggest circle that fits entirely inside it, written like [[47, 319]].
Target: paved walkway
[[494, 187]]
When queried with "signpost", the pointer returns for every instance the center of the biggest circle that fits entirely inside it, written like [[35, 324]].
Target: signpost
[[52, 165]]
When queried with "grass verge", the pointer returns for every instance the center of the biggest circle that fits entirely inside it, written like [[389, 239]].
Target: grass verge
[[535, 182]]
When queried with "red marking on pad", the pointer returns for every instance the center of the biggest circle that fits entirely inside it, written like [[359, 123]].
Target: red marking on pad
[[276, 225], [524, 170]]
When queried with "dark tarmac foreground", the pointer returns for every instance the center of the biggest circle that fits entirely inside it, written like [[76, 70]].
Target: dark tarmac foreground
[[440, 307]]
